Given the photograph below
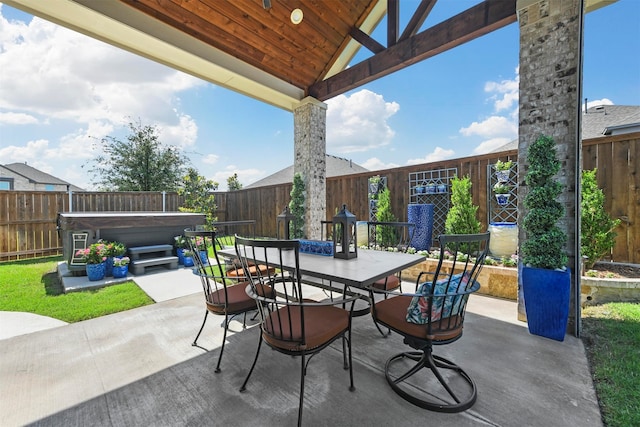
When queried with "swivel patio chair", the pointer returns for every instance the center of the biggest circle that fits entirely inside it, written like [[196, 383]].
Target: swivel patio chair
[[224, 295], [291, 324], [434, 315], [386, 236]]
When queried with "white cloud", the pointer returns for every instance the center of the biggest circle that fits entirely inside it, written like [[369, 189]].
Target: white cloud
[[491, 144], [17, 119], [358, 122], [210, 159], [492, 126], [603, 101], [375, 163], [505, 92], [438, 153], [245, 176], [31, 151]]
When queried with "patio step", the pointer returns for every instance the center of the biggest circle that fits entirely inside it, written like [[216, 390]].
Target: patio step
[[138, 266]]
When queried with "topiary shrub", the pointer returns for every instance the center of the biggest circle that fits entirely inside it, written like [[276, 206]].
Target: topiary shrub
[[462, 217], [544, 244], [385, 236], [296, 206], [597, 235]]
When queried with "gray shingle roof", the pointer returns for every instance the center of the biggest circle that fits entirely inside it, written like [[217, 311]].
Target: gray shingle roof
[[596, 120], [336, 166], [37, 176]]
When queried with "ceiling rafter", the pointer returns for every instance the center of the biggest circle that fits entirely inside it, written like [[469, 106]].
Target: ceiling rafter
[[468, 25]]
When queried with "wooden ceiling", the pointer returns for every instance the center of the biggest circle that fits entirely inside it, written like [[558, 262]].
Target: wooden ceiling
[[252, 47]]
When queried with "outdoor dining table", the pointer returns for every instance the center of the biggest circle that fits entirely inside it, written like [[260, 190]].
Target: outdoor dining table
[[360, 272]]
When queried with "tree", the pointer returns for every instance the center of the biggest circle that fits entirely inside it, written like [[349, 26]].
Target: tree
[[196, 190], [386, 236], [233, 183], [296, 206], [597, 228], [141, 163], [462, 217]]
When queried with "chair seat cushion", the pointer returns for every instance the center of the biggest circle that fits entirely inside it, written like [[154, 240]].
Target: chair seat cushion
[[445, 305], [238, 301], [253, 270], [322, 324], [388, 283], [391, 312]]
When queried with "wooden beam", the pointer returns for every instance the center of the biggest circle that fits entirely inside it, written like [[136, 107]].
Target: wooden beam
[[418, 18], [468, 25], [393, 17], [365, 40]]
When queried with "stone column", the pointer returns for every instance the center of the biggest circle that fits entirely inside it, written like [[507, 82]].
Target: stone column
[[310, 147], [550, 96]]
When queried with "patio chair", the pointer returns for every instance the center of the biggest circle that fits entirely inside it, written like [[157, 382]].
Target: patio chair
[[434, 315], [224, 295], [386, 236], [291, 324]]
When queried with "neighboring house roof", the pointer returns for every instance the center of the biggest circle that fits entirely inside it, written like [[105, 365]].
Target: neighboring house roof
[[600, 121], [336, 166], [37, 176]]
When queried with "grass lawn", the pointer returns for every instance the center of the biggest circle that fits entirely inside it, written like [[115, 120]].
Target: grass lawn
[[611, 334], [33, 286]]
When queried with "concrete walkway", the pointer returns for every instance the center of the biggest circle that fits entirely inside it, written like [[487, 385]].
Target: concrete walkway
[[138, 368]]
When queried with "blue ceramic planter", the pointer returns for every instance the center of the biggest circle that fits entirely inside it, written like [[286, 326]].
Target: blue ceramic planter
[[120, 272], [180, 255], [422, 216], [95, 271], [546, 301], [188, 261], [108, 267]]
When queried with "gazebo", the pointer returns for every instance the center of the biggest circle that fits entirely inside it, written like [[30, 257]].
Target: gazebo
[[296, 54]]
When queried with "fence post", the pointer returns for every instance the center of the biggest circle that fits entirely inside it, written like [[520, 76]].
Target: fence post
[[164, 201], [70, 198]]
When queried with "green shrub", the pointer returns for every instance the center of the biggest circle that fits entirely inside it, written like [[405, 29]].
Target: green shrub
[[296, 205], [598, 237], [462, 217], [386, 236], [544, 244]]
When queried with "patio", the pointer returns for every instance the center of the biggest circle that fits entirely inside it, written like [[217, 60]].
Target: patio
[[139, 368]]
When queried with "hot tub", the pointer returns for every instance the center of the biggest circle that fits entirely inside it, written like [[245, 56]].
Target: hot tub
[[80, 229]]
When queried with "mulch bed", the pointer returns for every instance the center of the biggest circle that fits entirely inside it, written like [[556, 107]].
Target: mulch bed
[[607, 269]]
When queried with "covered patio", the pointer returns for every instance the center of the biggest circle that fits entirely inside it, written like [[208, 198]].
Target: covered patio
[[139, 368]]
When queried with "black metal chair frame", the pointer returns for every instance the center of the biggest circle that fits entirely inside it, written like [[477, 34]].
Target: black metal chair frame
[[214, 280], [445, 330], [277, 311]]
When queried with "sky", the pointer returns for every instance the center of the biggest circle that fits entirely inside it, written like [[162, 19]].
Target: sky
[[62, 92]]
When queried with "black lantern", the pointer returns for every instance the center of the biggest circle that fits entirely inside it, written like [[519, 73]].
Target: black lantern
[[285, 218], [344, 235]]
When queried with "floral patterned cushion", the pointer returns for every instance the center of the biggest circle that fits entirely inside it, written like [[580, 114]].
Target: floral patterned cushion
[[418, 310]]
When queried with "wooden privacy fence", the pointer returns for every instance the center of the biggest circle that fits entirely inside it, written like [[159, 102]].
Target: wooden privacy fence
[[28, 219]]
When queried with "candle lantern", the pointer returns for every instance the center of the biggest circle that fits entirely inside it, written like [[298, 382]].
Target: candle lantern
[[344, 235], [285, 219]]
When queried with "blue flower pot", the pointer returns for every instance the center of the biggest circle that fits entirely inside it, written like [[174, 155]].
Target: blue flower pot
[[188, 261], [204, 257], [108, 267], [120, 272], [180, 255], [546, 301], [95, 271]]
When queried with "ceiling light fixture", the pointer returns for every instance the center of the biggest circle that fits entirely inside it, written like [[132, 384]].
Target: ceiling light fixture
[[296, 16]]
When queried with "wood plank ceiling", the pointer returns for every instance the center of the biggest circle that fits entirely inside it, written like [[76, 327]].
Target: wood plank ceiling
[[260, 33], [252, 47]]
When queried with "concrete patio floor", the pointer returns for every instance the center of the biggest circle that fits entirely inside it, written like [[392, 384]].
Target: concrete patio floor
[[138, 368]]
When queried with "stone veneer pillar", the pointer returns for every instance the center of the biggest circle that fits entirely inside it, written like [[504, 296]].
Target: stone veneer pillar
[[550, 96], [309, 121]]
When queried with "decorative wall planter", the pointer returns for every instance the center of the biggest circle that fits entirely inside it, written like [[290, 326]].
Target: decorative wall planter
[[503, 176], [95, 271], [503, 199], [546, 301]]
